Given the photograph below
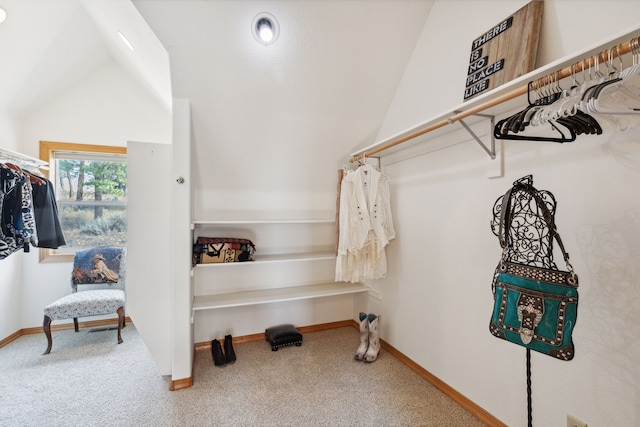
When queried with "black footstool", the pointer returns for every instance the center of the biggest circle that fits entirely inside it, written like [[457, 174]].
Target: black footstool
[[283, 336]]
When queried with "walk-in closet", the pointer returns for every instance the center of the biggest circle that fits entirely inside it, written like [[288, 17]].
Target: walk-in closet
[[354, 164]]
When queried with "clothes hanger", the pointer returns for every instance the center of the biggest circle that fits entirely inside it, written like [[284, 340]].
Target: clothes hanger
[[354, 164], [548, 111], [32, 178], [519, 121], [561, 139], [361, 162], [14, 167], [515, 123], [566, 111], [620, 95], [35, 179]]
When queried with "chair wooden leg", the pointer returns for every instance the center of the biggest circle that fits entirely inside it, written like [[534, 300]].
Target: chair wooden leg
[[75, 324], [120, 323], [46, 325]]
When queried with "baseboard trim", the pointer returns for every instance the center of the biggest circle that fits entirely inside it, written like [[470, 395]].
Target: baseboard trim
[[175, 384], [12, 337], [181, 383], [62, 327], [201, 346], [184, 382], [460, 399]]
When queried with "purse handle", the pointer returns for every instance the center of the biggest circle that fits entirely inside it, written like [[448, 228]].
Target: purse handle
[[505, 217]]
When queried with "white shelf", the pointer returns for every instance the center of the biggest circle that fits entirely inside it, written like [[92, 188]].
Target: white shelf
[[307, 241], [257, 222], [476, 104], [260, 259], [266, 296]]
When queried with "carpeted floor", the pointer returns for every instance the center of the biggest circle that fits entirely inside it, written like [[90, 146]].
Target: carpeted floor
[[89, 380]]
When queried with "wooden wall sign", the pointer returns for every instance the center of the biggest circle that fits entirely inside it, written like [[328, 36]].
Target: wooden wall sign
[[504, 52]]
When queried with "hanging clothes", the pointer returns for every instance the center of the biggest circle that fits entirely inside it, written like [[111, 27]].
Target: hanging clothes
[[17, 225], [48, 229], [366, 225], [27, 215]]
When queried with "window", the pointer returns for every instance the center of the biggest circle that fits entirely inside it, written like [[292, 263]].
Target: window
[[90, 184]]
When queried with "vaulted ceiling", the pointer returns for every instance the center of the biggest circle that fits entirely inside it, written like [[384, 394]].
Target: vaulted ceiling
[[341, 56], [48, 46]]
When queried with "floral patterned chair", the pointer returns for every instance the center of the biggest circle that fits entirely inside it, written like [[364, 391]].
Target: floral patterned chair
[[101, 265]]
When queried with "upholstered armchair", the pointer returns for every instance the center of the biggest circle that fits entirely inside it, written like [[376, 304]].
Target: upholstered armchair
[[105, 269]]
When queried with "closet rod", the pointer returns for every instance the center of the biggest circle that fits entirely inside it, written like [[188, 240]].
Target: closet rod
[[602, 58], [22, 158]]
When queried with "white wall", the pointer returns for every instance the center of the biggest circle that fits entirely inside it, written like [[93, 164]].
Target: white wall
[[106, 108], [9, 131], [10, 294], [434, 79], [437, 299], [269, 126], [269, 123]]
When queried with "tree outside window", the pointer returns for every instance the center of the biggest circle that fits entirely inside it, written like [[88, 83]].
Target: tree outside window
[[91, 192]]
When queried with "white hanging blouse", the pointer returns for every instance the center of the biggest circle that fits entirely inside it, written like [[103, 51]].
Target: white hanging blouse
[[366, 226]]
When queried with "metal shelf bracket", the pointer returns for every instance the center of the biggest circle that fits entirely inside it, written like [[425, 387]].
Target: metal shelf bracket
[[490, 151]]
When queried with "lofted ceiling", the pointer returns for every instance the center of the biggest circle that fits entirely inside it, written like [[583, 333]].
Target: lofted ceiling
[[337, 63], [46, 46], [49, 46]]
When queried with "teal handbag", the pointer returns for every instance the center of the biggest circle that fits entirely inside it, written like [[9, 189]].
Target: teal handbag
[[534, 307]]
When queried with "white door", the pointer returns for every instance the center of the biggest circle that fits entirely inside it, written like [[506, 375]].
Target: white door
[[149, 247]]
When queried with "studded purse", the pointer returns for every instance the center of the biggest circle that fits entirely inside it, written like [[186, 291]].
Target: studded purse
[[535, 307], [213, 250]]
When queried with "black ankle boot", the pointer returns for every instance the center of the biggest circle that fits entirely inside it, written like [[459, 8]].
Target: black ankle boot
[[228, 349], [218, 355]]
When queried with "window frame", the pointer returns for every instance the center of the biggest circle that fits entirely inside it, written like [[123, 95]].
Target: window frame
[[47, 148]]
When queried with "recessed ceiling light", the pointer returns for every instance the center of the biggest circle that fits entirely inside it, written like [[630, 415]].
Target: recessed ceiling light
[[126, 41], [3, 15], [265, 28]]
